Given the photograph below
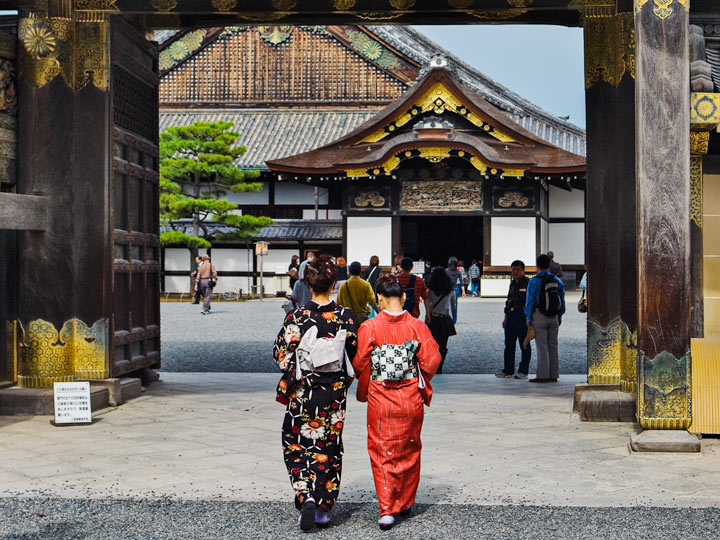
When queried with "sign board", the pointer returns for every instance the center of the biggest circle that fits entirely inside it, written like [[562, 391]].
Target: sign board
[[261, 248], [418, 268], [72, 402]]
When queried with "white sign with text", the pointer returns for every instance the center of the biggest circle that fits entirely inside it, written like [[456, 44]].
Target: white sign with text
[[72, 402]]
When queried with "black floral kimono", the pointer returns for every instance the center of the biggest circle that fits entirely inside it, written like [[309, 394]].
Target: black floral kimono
[[315, 415]]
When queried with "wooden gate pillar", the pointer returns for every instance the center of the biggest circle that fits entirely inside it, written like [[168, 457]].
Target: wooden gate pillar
[[663, 199], [63, 153], [611, 231]]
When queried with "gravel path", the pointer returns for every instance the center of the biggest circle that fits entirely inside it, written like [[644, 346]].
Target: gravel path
[[62, 519], [238, 337]]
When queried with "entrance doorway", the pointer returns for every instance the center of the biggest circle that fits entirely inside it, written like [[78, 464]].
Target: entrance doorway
[[437, 238]]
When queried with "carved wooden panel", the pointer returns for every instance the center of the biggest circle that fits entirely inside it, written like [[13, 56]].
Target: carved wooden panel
[[369, 197], [449, 196]]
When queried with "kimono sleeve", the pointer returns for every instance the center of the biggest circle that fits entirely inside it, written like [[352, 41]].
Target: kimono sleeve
[[428, 354], [351, 341], [287, 343], [361, 362]]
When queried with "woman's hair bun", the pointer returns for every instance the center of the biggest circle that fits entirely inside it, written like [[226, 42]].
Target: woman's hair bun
[[321, 273]]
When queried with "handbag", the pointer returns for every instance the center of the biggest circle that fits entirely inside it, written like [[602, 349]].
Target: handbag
[[582, 304], [394, 362]]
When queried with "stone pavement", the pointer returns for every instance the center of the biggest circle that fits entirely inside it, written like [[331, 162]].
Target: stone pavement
[[199, 456], [217, 436], [238, 337]]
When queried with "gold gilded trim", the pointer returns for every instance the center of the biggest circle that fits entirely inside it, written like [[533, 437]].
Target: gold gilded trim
[[433, 155], [77, 351], [500, 15], [609, 49], [664, 399], [699, 142], [696, 190], [224, 5], [437, 99], [662, 8], [594, 8]]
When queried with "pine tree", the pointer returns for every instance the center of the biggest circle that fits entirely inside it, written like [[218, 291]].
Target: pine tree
[[196, 172]]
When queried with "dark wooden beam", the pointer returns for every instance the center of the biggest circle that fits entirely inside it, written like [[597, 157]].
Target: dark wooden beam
[[23, 212], [663, 205]]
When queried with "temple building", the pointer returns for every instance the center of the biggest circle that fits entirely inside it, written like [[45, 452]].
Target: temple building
[[373, 140]]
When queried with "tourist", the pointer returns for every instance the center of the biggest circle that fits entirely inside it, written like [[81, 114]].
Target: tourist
[[395, 397], [544, 308], [373, 271], [464, 278], [342, 269], [397, 266], [555, 268], [358, 295], [427, 270], [301, 271], [583, 302], [454, 275], [441, 326], [301, 294], [205, 281], [474, 272], [193, 274], [415, 290], [293, 270], [313, 350], [514, 324]]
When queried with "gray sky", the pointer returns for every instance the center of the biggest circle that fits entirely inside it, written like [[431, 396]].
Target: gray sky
[[544, 64]]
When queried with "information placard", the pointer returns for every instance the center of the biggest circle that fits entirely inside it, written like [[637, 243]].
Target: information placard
[[72, 402]]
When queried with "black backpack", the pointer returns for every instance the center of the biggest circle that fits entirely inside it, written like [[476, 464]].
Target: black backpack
[[549, 303], [410, 295]]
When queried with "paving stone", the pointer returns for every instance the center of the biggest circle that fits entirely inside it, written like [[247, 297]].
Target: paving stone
[[607, 406], [665, 440]]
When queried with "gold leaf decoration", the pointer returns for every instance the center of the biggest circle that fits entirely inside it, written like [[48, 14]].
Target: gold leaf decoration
[[520, 3], [39, 40], [460, 4], [283, 5], [497, 15], [164, 5], [609, 49], [224, 5], [402, 4], [343, 5], [378, 15]]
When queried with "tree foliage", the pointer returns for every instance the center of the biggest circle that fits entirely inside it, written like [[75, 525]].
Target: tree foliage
[[196, 172]]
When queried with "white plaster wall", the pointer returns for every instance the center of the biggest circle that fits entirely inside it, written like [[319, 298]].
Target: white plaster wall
[[250, 197], [566, 204], [567, 241], [177, 284], [322, 214], [177, 259], [368, 236], [512, 238], [292, 193], [231, 259], [277, 260], [494, 287]]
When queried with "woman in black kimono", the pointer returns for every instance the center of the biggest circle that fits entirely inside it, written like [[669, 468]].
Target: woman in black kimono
[[314, 350]]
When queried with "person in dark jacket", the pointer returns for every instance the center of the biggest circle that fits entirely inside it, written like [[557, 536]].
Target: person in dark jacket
[[373, 271], [514, 324]]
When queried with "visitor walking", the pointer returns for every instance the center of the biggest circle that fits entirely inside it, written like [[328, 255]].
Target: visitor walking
[[396, 359], [342, 269], [555, 267], [441, 326], [514, 324], [193, 275], [373, 271], [415, 290], [544, 308], [464, 278], [455, 281], [301, 294], [474, 272], [293, 270], [205, 281], [357, 294], [301, 271], [313, 350], [397, 265]]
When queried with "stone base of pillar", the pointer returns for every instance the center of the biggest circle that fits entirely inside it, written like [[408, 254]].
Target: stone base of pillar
[[581, 388], [664, 440], [614, 406]]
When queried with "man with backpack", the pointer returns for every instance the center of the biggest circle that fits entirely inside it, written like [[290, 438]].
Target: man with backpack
[[415, 290], [544, 308]]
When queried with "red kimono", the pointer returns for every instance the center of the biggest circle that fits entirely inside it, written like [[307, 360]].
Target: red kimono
[[395, 408]]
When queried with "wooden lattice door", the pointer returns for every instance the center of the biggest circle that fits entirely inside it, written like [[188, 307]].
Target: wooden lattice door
[[135, 212]]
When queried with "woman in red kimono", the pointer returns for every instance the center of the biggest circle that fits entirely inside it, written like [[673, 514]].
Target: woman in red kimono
[[396, 358]]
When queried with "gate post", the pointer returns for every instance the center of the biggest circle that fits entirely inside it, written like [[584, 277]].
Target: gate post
[[63, 145], [611, 231], [663, 198]]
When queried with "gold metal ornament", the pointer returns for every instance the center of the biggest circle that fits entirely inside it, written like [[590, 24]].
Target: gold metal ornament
[[224, 5], [699, 142], [520, 3], [513, 198], [402, 4], [164, 5], [696, 190], [283, 5], [343, 5], [609, 49], [75, 352], [664, 399], [499, 15], [460, 4]]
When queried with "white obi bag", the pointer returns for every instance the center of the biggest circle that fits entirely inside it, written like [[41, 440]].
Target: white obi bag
[[394, 362], [322, 355]]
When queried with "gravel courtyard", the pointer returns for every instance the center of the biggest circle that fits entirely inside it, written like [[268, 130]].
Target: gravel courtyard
[[238, 337]]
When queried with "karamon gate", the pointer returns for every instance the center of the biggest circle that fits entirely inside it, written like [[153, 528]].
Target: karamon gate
[[79, 281]]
